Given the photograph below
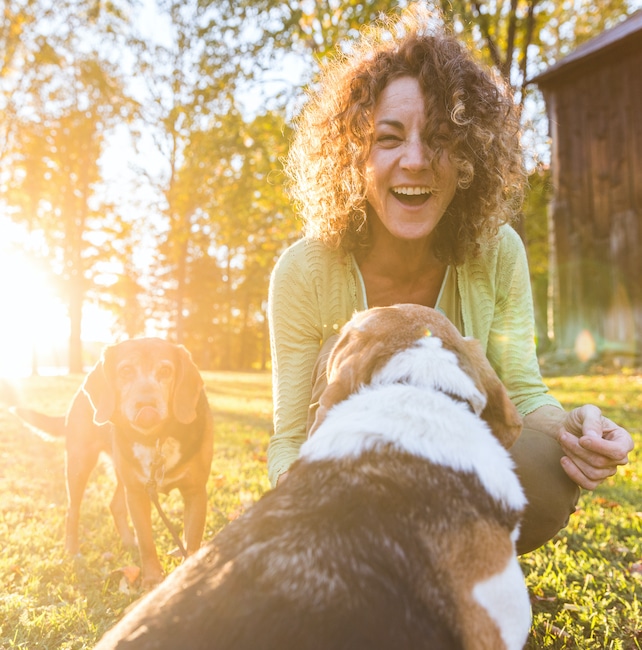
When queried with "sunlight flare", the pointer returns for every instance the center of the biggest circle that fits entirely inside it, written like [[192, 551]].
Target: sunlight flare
[[34, 320]]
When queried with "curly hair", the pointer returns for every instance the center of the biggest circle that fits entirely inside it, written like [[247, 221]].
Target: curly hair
[[328, 154]]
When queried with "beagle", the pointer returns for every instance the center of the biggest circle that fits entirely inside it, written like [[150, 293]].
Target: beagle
[[144, 404], [395, 528]]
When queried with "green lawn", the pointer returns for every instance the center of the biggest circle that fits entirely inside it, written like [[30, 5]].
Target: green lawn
[[586, 584]]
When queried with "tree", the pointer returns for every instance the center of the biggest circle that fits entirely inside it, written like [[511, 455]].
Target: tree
[[213, 181], [536, 237], [117, 278], [181, 102], [61, 101], [242, 222], [215, 90]]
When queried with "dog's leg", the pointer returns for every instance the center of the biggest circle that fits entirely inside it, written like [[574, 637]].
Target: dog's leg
[[119, 512], [494, 608], [505, 599], [140, 509], [79, 465], [195, 498]]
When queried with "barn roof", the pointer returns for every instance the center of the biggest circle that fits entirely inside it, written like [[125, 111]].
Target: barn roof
[[627, 32]]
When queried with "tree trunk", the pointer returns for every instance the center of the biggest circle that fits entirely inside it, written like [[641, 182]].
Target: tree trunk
[[227, 325], [181, 279], [76, 299]]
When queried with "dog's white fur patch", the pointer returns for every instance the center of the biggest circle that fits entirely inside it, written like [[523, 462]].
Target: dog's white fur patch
[[171, 451], [415, 417], [428, 364], [505, 598]]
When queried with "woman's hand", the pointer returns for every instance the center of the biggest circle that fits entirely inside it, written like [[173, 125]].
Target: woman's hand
[[594, 446]]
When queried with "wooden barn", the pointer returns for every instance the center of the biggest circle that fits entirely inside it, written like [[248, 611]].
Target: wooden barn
[[594, 105]]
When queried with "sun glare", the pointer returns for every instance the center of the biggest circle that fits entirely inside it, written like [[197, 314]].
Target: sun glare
[[33, 324]]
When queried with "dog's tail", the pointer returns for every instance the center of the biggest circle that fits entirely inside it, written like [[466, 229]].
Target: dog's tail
[[43, 425]]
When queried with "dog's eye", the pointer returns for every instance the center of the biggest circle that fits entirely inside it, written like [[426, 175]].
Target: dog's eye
[[126, 371], [165, 372]]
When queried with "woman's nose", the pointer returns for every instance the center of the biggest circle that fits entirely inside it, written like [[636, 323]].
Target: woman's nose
[[416, 156]]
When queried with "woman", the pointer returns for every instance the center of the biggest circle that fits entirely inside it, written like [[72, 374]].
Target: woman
[[407, 169]]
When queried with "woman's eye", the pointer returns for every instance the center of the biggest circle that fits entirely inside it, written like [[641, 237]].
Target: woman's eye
[[388, 139]]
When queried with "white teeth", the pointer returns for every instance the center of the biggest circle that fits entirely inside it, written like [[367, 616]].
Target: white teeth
[[411, 190]]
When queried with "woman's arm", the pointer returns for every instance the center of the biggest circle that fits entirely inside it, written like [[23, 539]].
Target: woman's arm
[[295, 340]]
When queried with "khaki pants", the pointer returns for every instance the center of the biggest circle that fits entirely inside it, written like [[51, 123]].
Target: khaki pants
[[551, 494]]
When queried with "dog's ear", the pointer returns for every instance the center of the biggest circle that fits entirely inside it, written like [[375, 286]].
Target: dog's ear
[[351, 364], [99, 388], [187, 390], [500, 413]]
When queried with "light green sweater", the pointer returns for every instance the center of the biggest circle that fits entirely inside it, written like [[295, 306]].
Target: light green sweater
[[314, 291]]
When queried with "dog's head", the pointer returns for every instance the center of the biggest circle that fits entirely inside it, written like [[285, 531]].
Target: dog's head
[[454, 364], [144, 382]]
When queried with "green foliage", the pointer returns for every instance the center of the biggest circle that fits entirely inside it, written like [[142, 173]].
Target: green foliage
[[585, 585], [230, 220], [534, 230], [213, 88], [60, 96], [535, 221]]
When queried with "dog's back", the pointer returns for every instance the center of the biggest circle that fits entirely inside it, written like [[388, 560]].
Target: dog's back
[[340, 575]]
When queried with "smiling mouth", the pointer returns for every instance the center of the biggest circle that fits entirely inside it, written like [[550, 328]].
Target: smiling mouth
[[411, 195]]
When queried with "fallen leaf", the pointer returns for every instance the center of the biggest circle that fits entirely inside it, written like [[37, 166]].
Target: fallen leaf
[[132, 573], [126, 576], [219, 480], [606, 503], [636, 568], [545, 599], [236, 513], [15, 574]]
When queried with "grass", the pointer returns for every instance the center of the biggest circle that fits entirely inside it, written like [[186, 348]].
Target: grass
[[585, 585]]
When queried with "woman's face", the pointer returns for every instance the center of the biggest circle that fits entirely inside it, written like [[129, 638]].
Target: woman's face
[[406, 190]]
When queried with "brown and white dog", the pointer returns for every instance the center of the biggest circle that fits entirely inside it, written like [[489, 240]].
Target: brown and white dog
[[144, 404], [395, 528]]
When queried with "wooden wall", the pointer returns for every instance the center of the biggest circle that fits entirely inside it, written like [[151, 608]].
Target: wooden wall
[[595, 116]]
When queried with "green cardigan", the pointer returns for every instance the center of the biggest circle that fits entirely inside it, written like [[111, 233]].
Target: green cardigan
[[314, 291]]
